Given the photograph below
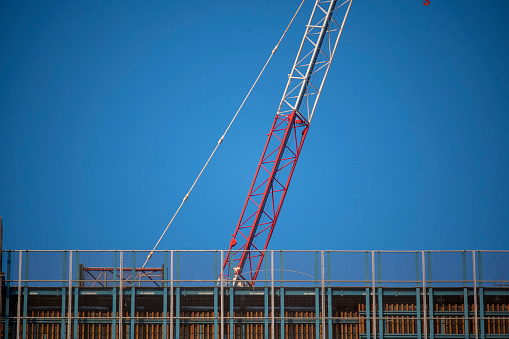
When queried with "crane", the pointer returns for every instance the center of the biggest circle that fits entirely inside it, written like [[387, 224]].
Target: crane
[[284, 143]]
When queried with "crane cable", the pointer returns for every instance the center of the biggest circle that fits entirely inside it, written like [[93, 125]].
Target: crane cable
[[222, 137]]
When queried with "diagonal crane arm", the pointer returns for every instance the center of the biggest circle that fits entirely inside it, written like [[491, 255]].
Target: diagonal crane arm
[[284, 143]]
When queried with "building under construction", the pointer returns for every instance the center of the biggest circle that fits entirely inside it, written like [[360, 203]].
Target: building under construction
[[248, 291], [298, 294]]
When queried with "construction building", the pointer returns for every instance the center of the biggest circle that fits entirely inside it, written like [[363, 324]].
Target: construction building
[[298, 294]]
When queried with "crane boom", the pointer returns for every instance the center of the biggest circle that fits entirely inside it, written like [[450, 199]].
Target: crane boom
[[284, 143]]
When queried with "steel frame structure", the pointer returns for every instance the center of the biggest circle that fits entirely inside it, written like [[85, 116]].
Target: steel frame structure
[[284, 143], [52, 304]]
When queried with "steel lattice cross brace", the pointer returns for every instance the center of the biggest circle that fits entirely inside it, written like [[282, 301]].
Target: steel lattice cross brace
[[284, 144], [266, 195]]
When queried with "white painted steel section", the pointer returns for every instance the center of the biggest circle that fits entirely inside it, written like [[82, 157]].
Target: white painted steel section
[[373, 291], [424, 301], [331, 57], [18, 314], [222, 296], [475, 295], [323, 295], [273, 321], [171, 295], [69, 304], [315, 55]]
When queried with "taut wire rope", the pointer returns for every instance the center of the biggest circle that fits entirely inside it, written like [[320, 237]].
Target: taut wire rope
[[222, 137]]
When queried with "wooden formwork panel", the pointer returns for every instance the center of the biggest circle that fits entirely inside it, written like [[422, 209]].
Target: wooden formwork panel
[[497, 324], [448, 320]]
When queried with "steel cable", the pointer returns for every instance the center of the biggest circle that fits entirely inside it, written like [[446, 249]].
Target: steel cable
[[222, 137]]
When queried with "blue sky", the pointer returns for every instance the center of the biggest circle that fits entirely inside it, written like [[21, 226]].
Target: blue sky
[[109, 110]]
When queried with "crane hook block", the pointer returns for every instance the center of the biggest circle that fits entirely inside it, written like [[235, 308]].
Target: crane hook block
[[425, 2]]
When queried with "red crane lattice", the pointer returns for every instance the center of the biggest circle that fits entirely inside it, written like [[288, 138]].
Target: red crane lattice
[[284, 143], [266, 196]]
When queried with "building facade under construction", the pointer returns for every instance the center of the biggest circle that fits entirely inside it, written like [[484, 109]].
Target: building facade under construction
[[298, 294]]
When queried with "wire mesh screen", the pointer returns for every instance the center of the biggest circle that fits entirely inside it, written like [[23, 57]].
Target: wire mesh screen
[[297, 268], [46, 268], [196, 268], [331, 294], [348, 268], [493, 268], [398, 269], [450, 269], [96, 268]]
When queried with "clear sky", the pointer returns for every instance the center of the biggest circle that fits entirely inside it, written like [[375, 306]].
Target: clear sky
[[110, 109]]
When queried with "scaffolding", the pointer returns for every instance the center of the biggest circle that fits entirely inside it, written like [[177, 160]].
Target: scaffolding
[[298, 294]]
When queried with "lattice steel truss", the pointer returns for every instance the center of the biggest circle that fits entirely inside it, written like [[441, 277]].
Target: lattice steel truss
[[314, 58], [284, 143]]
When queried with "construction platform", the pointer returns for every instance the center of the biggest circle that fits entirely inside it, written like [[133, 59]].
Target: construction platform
[[298, 294]]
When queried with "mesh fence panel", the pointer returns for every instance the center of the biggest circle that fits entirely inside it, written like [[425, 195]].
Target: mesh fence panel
[[311, 289], [398, 269], [493, 268], [95, 268], [197, 268], [48, 269], [349, 268], [297, 268], [450, 269]]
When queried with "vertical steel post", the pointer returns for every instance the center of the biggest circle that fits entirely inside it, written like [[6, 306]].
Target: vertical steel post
[[273, 310], [424, 302], [431, 314], [465, 312], [282, 293], [25, 296], [465, 295], [62, 312], [76, 293], [368, 311], [114, 297], [216, 306], [418, 311], [418, 296], [171, 296], [475, 296], [177, 299], [323, 292], [430, 272], [165, 295], [18, 314], [373, 292], [7, 293], [132, 329], [431, 302], [121, 297], [381, 329], [317, 296], [70, 298], [221, 276], [329, 295], [266, 299], [232, 311], [481, 294]]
